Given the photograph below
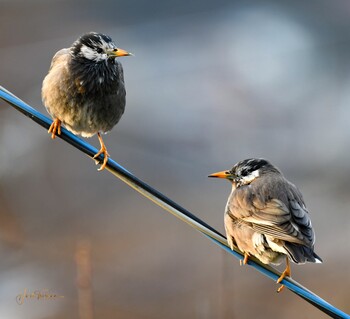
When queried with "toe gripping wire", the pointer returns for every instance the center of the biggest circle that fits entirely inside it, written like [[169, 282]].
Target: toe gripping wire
[[172, 207]]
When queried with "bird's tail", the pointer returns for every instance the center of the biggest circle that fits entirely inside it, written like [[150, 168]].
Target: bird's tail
[[301, 254]]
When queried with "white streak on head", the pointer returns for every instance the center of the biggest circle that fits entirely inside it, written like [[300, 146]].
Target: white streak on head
[[92, 54], [249, 178]]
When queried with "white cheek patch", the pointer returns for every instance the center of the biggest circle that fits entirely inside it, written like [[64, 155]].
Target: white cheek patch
[[91, 54], [249, 178], [88, 53]]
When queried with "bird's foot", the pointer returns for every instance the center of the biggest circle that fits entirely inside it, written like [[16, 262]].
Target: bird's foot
[[245, 259], [55, 128], [103, 150], [286, 272]]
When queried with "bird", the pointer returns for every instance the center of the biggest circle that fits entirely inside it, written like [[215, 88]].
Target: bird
[[266, 216], [84, 89]]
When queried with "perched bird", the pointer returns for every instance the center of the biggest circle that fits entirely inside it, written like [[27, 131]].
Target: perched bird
[[84, 89], [266, 217]]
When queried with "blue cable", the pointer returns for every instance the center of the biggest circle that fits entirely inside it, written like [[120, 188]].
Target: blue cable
[[172, 206]]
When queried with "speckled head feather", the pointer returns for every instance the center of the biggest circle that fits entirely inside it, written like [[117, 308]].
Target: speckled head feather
[[244, 172], [92, 47]]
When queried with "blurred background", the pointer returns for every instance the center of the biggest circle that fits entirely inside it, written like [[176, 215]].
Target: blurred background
[[211, 83]]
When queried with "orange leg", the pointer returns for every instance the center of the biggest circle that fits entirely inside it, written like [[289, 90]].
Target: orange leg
[[245, 259], [55, 128], [103, 150], [287, 272]]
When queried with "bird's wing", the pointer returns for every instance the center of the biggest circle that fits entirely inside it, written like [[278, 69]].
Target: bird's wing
[[275, 220], [61, 54], [288, 221]]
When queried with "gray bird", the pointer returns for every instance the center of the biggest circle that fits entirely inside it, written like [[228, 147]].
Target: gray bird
[[266, 217], [84, 89]]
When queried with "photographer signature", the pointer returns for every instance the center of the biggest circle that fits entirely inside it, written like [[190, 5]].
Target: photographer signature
[[43, 294]]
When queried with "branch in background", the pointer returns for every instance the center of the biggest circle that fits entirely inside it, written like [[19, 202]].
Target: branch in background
[[84, 279], [172, 207]]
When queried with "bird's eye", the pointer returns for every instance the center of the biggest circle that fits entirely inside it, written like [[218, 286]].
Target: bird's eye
[[99, 50], [115, 50]]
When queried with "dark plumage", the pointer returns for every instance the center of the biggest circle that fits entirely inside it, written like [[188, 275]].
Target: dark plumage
[[266, 216], [84, 88]]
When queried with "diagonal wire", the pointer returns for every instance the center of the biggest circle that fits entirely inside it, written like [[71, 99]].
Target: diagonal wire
[[172, 207]]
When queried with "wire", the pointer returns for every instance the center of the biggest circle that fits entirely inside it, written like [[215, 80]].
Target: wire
[[172, 207]]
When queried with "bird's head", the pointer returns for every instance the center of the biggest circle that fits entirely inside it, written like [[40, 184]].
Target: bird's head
[[246, 171], [96, 47]]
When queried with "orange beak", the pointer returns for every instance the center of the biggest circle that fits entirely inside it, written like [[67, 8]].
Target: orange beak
[[120, 52], [222, 174]]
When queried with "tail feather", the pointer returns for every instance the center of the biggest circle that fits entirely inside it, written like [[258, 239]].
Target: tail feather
[[301, 254], [318, 258]]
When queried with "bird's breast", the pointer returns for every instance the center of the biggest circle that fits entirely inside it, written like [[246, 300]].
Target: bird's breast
[[86, 99]]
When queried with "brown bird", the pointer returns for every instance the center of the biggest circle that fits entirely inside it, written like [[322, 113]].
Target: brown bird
[[266, 217], [84, 89]]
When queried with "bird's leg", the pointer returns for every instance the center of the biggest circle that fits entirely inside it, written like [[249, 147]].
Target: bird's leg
[[55, 128], [245, 259], [103, 150], [287, 272]]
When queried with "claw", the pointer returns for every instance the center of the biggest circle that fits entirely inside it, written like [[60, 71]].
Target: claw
[[103, 150], [245, 259], [286, 272], [55, 128]]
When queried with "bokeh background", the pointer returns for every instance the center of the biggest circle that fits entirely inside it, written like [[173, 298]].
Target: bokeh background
[[211, 83]]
